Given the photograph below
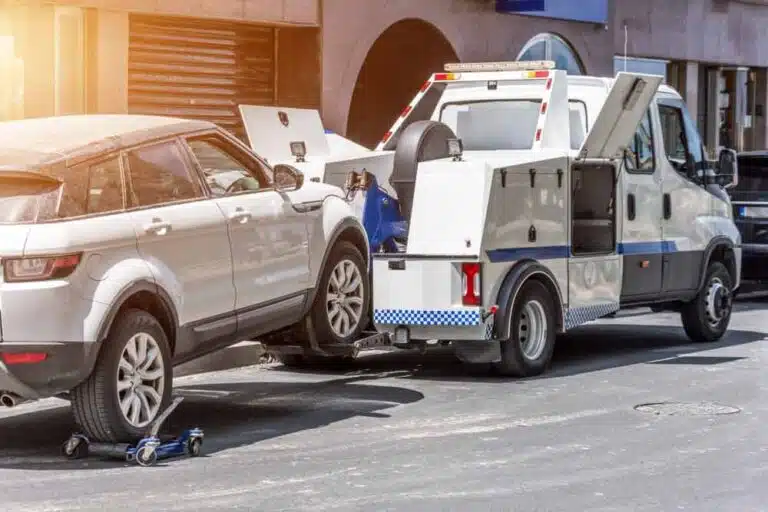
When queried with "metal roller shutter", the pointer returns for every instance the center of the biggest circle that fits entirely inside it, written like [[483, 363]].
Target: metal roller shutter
[[199, 69]]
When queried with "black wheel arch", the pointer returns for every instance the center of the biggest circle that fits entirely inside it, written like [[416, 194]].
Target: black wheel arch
[[170, 323], [350, 230], [516, 277], [720, 248]]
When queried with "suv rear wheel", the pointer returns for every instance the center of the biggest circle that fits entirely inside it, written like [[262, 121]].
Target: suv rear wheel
[[131, 383]]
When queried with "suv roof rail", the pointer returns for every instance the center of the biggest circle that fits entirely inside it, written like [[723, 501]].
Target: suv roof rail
[[518, 65]]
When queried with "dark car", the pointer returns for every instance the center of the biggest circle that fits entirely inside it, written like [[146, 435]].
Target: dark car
[[750, 205]]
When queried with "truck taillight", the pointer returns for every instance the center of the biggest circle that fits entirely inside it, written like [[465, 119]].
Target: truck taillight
[[471, 292]]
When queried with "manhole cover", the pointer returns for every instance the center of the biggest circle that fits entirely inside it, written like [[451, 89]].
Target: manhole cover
[[687, 408]]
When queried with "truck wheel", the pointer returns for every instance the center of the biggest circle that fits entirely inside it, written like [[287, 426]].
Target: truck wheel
[[341, 308], [528, 351], [706, 318], [130, 384]]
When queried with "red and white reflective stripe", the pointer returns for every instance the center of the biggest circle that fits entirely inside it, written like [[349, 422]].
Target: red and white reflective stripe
[[543, 111], [404, 114]]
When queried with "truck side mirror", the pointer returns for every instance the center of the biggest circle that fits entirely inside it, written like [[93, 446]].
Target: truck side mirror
[[727, 168]]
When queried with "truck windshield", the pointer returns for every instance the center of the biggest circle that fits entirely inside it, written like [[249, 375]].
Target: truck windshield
[[27, 200], [493, 125]]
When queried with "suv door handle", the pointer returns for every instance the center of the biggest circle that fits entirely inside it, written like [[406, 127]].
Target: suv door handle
[[157, 227], [239, 216], [667, 206]]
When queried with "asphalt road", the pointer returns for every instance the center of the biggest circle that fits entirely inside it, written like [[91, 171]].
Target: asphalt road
[[423, 433]]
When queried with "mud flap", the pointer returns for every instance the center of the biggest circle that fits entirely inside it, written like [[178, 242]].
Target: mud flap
[[478, 352]]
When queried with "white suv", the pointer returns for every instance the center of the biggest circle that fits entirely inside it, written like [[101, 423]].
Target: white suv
[[130, 244]]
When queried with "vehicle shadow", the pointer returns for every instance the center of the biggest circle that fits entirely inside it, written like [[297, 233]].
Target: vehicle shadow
[[231, 415], [588, 349]]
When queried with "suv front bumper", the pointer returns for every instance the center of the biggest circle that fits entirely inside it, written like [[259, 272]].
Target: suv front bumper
[[754, 262]]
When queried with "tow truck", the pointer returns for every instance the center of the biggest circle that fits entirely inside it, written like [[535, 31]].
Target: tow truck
[[532, 202]]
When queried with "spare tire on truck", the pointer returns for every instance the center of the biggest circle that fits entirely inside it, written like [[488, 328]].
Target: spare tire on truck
[[422, 141]]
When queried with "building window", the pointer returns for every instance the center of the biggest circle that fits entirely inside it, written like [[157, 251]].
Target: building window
[[637, 65], [555, 48]]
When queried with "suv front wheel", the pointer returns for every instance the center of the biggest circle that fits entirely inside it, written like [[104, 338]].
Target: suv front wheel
[[341, 308], [130, 384]]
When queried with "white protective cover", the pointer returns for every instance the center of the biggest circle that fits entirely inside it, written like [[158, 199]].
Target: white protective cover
[[330, 157], [271, 138], [622, 111]]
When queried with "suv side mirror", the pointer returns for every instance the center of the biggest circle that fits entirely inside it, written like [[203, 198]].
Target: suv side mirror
[[288, 178], [727, 168]]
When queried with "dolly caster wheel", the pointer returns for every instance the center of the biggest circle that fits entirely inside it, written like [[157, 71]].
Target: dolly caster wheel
[[194, 447], [146, 456], [75, 448]]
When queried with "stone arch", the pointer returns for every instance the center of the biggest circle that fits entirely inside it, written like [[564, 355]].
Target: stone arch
[[397, 64]]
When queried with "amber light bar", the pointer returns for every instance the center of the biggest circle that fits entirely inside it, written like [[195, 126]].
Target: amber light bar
[[500, 66]]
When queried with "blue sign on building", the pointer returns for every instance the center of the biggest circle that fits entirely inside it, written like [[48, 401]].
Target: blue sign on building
[[591, 11]]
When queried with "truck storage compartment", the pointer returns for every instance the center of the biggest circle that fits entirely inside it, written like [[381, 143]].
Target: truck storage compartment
[[593, 199], [415, 284]]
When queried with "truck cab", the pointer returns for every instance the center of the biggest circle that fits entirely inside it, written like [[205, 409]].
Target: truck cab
[[537, 202]]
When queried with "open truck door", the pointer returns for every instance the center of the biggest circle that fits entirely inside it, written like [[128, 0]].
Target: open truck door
[[595, 268]]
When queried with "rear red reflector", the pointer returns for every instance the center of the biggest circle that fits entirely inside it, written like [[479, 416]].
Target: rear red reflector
[[471, 284], [24, 357], [541, 74]]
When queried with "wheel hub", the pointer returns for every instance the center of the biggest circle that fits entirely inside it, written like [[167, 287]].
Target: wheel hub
[[532, 330], [140, 380], [718, 302], [344, 303]]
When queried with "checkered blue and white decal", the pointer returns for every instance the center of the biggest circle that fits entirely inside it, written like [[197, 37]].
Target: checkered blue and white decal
[[440, 317], [578, 316]]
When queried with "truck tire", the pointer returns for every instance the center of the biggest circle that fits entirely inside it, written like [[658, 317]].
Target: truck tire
[[529, 349], [342, 305], [131, 382], [706, 318]]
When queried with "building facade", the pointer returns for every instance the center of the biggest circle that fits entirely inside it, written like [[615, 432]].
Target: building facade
[[190, 58], [361, 61]]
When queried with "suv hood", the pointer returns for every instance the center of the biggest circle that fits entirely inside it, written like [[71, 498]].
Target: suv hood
[[312, 192]]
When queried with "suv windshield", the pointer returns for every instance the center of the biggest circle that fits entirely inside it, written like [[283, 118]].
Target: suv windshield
[[27, 199], [753, 178]]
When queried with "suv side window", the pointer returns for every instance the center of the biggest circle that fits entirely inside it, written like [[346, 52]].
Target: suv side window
[[91, 188], [105, 187], [159, 174], [681, 140], [225, 171], [640, 155]]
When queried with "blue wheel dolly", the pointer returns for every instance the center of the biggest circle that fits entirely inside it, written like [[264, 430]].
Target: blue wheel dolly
[[147, 451]]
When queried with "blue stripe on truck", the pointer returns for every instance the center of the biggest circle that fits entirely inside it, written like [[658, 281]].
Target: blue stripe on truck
[[554, 252]]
